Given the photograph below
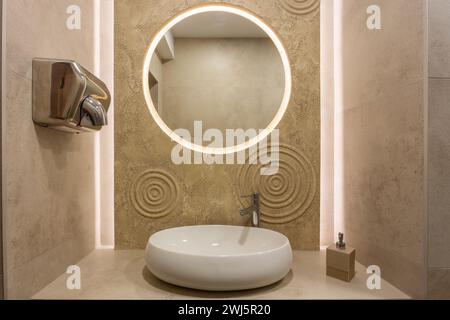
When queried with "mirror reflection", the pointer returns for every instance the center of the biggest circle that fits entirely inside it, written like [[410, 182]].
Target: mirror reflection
[[218, 68]]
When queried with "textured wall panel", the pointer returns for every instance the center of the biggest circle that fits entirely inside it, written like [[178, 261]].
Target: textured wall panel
[[211, 194]]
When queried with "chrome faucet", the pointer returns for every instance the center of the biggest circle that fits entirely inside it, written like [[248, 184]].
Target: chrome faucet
[[253, 209]]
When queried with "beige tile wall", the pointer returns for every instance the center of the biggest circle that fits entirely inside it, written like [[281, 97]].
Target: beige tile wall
[[382, 122], [49, 203], [438, 283], [439, 150]]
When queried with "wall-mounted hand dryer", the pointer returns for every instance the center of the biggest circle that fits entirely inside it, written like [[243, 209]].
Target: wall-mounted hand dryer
[[68, 97]]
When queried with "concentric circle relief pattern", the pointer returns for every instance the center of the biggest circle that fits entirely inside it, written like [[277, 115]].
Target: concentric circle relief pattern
[[155, 193], [300, 7], [286, 195]]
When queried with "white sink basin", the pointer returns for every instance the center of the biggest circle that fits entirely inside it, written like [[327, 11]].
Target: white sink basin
[[219, 258]]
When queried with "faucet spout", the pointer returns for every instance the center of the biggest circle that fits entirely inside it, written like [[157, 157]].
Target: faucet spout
[[253, 209], [95, 111], [245, 211]]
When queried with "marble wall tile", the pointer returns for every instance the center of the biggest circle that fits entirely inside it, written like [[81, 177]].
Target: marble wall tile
[[438, 149], [210, 194], [26, 279], [49, 204], [439, 283], [372, 75], [439, 38], [383, 142], [383, 183], [439, 173]]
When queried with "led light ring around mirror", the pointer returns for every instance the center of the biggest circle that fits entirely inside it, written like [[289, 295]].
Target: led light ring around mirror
[[286, 65]]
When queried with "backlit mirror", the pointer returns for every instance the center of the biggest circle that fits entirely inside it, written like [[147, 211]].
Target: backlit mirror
[[220, 66]]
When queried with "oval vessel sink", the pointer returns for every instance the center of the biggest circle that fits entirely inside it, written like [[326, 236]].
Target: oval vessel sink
[[219, 258]]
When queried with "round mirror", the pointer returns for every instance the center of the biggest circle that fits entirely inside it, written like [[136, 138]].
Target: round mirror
[[216, 67]]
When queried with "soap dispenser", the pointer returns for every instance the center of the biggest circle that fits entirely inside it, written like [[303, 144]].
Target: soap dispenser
[[341, 260]]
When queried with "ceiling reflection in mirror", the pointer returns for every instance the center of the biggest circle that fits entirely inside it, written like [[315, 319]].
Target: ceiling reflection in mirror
[[218, 68]]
